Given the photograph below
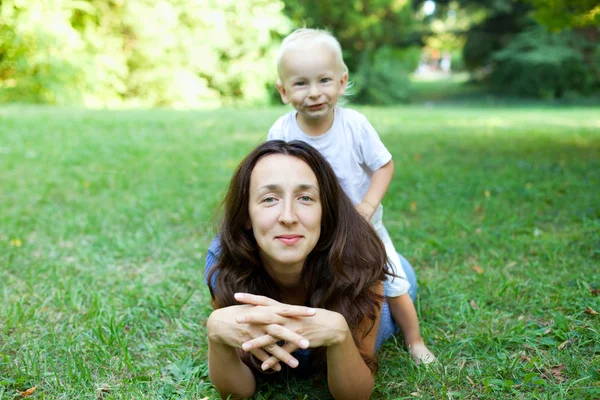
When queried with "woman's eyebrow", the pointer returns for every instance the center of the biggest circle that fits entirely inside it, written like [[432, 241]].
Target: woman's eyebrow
[[275, 187], [308, 187], [270, 187]]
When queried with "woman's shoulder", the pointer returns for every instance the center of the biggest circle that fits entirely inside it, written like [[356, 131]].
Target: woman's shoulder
[[212, 257]]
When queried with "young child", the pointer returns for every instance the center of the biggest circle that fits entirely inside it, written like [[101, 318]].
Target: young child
[[312, 77]]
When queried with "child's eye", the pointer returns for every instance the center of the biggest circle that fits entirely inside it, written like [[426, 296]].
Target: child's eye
[[326, 80], [299, 84]]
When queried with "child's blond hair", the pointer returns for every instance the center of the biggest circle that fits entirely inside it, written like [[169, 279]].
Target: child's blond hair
[[307, 36]]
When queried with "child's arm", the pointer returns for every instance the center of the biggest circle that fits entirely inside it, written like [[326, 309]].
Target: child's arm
[[380, 181]]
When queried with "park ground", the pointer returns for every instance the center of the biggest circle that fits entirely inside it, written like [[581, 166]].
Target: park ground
[[105, 217]]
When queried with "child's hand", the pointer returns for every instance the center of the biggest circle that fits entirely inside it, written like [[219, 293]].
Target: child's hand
[[366, 210], [421, 354]]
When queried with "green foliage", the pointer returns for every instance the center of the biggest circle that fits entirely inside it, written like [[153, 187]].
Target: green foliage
[[560, 14], [43, 58], [503, 20], [384, 80], [185, 53], [508, 48], [365, 30], [138, 52], [540, 64]]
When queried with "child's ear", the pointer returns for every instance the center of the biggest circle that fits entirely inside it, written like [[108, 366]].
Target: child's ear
[[343, 83], [282, 93]]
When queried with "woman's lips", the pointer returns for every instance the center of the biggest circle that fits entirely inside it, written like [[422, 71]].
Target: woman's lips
[[289, 239]]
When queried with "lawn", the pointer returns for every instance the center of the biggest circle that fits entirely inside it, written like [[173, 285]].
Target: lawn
[[105, 217]]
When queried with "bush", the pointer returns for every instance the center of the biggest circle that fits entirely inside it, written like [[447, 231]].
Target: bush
[[44, 59], [540, 64], [385, 79], [138, 52]]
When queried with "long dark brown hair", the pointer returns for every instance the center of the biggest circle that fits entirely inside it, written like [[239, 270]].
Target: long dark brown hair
[[339, 274]]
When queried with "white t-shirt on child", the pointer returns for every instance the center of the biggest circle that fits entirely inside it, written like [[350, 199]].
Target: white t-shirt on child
[[352, 147]]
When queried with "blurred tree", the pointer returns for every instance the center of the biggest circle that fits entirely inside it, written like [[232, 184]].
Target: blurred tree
[[509, 49], [372, 34], [43, 58], [491, 24], [141, 52], [503, 20], [537, 63], [560, 14], [583, 17], [214, 51], [445, 31]]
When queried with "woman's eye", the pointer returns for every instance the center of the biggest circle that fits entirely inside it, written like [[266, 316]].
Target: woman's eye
[[268, 200], [306, 198]]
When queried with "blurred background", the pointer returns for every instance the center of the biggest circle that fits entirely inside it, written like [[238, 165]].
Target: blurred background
[[211, 53]]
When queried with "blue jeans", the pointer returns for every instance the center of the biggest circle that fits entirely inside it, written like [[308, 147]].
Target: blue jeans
[[387, 326]]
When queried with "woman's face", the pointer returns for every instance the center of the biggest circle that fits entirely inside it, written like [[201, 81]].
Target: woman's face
[[285, 210]]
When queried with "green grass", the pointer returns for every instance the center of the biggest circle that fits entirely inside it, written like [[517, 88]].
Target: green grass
[[442, 88], [461, 89], [105, 217]]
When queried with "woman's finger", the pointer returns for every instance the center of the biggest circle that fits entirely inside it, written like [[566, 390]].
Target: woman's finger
[[276, 334], [281, 354], [256, 300], [263, 318], [259, 342], [263, 356], [286, 310], [288, 335], [275, 314], [271, 361]]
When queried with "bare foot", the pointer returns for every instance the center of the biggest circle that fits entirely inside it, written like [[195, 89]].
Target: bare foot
[[421, 354]]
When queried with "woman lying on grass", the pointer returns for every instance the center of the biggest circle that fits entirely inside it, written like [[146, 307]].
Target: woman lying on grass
[[298, 279]]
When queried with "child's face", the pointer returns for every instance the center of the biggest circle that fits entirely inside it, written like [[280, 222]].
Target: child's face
[[312, 81]]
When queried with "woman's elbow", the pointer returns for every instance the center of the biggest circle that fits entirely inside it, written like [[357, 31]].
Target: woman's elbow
[[363, 390], [235, 396], [233, 386], [353, 395]]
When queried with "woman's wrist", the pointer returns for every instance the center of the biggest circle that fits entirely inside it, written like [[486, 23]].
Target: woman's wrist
[[340, 328], [212, 328]]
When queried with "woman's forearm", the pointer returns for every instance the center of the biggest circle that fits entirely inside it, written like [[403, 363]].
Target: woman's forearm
[[228, 373], [347, 374]]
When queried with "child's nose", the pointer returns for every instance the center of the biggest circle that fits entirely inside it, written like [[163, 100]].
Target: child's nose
[[314, 91]]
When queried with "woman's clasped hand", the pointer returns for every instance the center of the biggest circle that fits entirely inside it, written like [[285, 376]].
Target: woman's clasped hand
[[263, 324], [258, 326]]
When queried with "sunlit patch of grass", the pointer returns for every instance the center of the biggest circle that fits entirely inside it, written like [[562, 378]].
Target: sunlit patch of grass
[[106, 215], [442, 87]]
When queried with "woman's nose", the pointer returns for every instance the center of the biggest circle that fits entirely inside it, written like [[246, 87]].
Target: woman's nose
[[288, 214]]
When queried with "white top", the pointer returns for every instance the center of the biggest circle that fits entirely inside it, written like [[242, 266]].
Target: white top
[[351, 145]]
